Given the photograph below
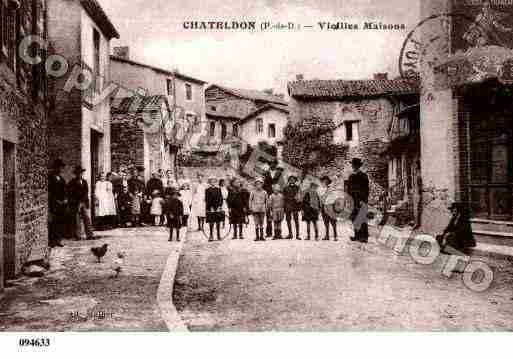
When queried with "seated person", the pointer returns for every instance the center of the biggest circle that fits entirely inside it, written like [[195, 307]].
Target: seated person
[[458, 233]]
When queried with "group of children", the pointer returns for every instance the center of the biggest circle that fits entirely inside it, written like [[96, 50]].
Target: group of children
[[273, 205], [164, 208]]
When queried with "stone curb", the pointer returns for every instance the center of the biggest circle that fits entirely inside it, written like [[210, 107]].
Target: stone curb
[[169, 313]]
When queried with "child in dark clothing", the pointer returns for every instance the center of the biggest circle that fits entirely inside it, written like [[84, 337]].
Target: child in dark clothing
[[174, 213], [125, 206]]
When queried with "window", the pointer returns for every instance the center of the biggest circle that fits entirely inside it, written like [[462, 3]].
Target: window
[[349, 131], [223, 131], [213, 108], [169, 87], [271, 130], [235, 130], [96, 53], [259, 125], [188, 92], [212, 131]]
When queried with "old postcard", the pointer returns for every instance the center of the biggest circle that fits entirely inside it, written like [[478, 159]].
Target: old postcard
[[255, 166]]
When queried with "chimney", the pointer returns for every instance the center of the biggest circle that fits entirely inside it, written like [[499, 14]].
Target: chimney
[[269, 91], [381, 76], [122, 52], [300, 77]]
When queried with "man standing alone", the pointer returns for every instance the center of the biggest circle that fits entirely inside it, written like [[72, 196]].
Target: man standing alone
[[57, 203], [79, 204], [358, 189]]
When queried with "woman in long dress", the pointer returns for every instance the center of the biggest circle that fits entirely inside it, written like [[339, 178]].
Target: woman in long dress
[[105, 203], [198, 204], [224, 192]]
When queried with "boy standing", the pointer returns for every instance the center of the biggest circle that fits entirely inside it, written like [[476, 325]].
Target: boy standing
[[311, 209], [258, 206], [290, 194], [276, 205], [174, 212]]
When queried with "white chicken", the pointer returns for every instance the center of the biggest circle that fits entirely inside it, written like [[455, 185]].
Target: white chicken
[[118, 264]]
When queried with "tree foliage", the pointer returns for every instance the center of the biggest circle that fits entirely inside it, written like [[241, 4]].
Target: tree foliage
[[309, 144]]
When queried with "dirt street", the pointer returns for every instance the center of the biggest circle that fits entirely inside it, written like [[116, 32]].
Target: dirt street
[[293, 285]]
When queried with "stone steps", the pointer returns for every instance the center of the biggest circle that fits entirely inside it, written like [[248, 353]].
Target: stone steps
[[496, 233]]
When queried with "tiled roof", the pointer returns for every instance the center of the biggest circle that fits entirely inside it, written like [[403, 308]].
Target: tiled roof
[[336, 89], [254, 95], [269, 106], [233, 109], [94, 9], [134, 104], [159, 69]]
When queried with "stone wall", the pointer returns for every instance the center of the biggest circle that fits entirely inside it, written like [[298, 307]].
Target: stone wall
[[376, 116], [128, 145], [24, 126], [127, 142]]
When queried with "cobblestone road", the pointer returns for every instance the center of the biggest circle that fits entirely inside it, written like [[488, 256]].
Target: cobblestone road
[[299, 285], [77, 290]]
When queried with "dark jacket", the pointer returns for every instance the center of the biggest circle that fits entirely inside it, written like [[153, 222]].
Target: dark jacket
[[238, 205], [270, 180], [174, 211], [124, 201], [154, 184], [358, 187], [290, 198], [135, 185], [236, 200], [174, 207], [78, 192], [57, 194], [244, 193], [311, 206], [213, 198]]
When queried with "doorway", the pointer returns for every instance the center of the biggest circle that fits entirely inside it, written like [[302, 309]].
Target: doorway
[[491, 165], [9, 210]]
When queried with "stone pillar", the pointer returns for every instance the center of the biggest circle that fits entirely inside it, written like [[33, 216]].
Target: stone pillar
[[437, 112]]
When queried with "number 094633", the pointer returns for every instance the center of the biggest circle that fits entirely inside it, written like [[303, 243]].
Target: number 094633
[[33, 342]]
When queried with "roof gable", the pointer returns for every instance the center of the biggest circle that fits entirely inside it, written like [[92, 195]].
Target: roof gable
[[158, 69], [139, 104], [339, 89], [253, 95], [94, 9]]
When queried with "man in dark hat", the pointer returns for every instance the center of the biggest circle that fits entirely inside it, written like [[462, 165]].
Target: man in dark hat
[[78, 191], [358, 189], [292, 206], [57, 203]]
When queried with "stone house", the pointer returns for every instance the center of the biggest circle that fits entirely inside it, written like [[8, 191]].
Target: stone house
[[357, 114], [232, 124], [138, 133], [264, 124], [23, 141], [467, 121], [79, 119], [185, 94]]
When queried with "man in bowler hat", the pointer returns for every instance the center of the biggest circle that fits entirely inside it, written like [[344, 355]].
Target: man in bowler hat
[[57, 203], [358, 189], [78, 191]]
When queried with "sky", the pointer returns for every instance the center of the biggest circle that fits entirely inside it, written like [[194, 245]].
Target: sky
[[153, 29]]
